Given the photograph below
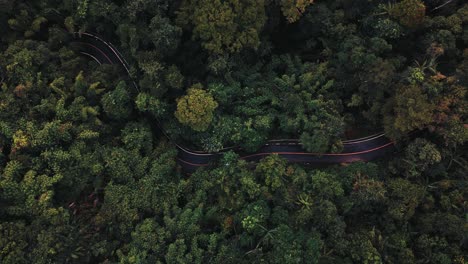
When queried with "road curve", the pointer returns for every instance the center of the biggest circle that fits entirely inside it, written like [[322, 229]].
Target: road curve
[[362, 149]]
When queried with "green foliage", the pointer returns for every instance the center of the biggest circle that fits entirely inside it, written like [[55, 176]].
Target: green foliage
[[411, 110], [82, 9], [196, 108], [147, 103], [164, 35], [174, 78], [289, 92], [13, 242], [274, 168], [419, 156], [325, 186], [137, 136], [69, 24], [293, 10], [87, 179], [404, 198], [416, 76], [387, 28], [117, 103], [293, 247], [224, 25], [37, 22], [410, 13], [362, 248], [21, 21]]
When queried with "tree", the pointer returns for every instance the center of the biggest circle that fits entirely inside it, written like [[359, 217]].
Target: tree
[[148, 243], [410, 13], [363, 248], [368, 193], [419, 156], [21, 22], [13, 241], [224, 26], [152, 68], [117, 104], [387, 28], [293, 10], [82, 183], [138, 136], [404, 197], [325, 186], [274, 169], [410, 109], [196, 108], [451, 106], [317, 143], [164, 35], [290, 246], [145, 102], [174, 79]]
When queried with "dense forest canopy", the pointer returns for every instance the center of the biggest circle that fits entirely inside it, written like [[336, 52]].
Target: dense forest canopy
[[87, 177]]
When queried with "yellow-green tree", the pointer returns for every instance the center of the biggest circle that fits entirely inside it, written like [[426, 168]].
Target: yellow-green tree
[[293, 9], [222, 26], [196, 108]]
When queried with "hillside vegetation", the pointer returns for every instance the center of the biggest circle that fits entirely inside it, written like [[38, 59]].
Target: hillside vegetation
[[87, 177]]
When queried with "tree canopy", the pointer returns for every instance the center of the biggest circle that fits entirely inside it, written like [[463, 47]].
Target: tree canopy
[[89, 172], [196, 108]]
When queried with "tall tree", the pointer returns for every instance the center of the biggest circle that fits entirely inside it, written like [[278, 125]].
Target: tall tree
[[224, 26], [410, 109], [117, 103], [196, 108], [294, 9]]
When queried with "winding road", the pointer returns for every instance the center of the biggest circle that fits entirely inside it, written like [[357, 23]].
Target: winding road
[[362, 149]]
